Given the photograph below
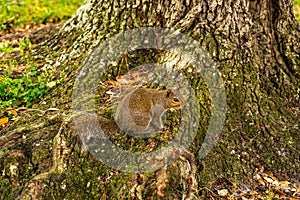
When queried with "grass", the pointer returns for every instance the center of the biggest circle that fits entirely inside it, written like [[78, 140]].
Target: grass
[[26, 87], [14, 13], [22, 91], [297, 9]]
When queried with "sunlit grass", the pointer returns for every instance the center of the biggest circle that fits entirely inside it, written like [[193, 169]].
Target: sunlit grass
[[14, 13], [297, 9]]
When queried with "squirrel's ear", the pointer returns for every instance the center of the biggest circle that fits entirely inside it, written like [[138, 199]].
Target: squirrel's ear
[[169, 92]]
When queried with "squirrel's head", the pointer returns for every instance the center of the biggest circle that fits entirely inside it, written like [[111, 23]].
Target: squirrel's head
[[174, 99]]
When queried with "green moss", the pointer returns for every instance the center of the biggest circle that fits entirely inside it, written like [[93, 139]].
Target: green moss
[[5, 188]]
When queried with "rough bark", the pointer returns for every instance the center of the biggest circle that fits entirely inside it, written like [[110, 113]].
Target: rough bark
[[255, 45]]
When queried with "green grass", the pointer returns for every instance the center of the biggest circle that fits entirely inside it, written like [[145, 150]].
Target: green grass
[[14, 13], [30, 85], [22, 90], [297, 9]]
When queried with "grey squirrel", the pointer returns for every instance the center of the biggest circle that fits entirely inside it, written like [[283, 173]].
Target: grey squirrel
[[140, 111]]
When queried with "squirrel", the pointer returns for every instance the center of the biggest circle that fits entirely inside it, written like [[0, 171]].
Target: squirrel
[[141, 111]]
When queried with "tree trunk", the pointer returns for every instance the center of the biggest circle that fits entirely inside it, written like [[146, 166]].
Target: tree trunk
[[255, 46]]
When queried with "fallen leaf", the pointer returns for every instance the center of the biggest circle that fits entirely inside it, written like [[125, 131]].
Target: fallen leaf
[[160, 189], [284, 183], [257, 176], [14, 112], [17, 154], [278, 191], [21, 68], [51, 84], [111, 82], [261, 181], [110, 92], [223, 192], [3, 120], [234, 186], [269, 180], [276, 183], [272, 177]]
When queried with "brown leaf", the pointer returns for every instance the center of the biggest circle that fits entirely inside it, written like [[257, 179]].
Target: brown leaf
[[160, 189], [21, 68], [35, 105], [17, 154], [278, 191], [272, 177], [261, 181], [284, 183], [14, 112]]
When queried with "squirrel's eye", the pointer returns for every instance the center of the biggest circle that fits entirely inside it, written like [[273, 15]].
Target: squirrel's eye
[[176, 99]]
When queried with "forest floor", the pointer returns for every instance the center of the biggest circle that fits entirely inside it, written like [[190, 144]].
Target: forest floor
[[36, 34], [23, 25]]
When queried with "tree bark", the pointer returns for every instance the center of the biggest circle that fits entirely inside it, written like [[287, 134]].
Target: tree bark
[[254, 44]]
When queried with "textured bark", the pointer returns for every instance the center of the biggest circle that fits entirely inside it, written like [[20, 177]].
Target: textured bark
[[255, 45]]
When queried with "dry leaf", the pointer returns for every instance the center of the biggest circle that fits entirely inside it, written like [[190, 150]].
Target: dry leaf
[[21, 68], [261, 181], [14, 112], [269, 180], [272, 177], [257, 176], [276, 183], [3, 120], [284, 183], [51, 84], [35, 105], [111, 82], [223, 192], [160, 189], [278, 191], [17, 154]]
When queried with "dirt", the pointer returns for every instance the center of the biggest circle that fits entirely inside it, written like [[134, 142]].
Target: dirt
[[36, 34]]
